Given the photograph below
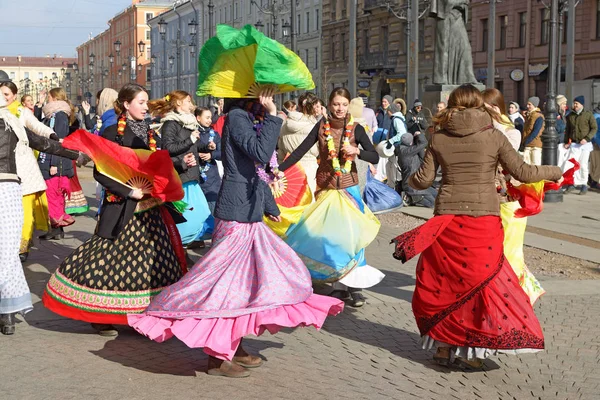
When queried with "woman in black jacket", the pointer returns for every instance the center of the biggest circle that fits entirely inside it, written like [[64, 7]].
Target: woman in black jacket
[[14, 141], [180, 137], [135, 251], [57, 170]]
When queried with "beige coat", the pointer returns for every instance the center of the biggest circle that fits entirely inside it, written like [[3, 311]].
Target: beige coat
[[293, 132], [468, 151]]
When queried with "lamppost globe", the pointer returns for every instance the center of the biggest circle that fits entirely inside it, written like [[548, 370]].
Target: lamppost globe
[[171, 60], [162, 27], [111, 58], [124, 66], [193, 27], [118, 46], [286, 29], [92, 58]]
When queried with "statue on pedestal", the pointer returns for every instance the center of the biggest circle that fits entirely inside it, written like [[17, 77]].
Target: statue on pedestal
[[452, 63]]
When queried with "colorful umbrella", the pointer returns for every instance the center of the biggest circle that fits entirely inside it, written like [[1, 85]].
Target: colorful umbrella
[[531, 195], [239, 63], [153, 172]]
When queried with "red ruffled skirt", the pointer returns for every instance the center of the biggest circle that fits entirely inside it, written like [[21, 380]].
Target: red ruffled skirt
[[467, 294]]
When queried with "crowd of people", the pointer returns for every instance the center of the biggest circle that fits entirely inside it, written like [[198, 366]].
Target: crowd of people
[[474, 293]]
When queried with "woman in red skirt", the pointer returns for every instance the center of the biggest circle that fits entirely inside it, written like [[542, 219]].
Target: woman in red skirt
[[467, 300]]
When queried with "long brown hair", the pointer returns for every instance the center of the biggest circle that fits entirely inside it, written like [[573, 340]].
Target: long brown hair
[[340, 91], [461, 98], [127, 93], [59, 93], [160, 107], [307, 102], [494, 97]]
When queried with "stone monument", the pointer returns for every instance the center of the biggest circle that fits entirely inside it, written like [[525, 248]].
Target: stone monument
[[452, 60]]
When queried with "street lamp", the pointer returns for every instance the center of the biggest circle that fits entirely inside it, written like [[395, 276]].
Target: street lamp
[[111, 59], [75, 67], [117, 45], [153, 59], [285, 29], [259, 26], [162, 27], [171, 60], [193, 27], [124, 67], [141, 46], [139, 67], [92, 58], [192, 50]]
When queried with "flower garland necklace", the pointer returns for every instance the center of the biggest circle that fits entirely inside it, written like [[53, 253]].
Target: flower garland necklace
[[206, 167], [121, 132], [121, 124], [335, 156]]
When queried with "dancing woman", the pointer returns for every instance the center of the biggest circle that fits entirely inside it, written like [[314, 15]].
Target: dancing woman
[[57, 170], [250, 280], [514, 228], [16, 165], [135, 251], [33, 186], [467, 301], [180, 136], [333, 232]]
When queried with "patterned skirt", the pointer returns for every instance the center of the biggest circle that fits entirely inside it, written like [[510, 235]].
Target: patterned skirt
[[104, 280], [250, 281], [467, 296], [76, 203]]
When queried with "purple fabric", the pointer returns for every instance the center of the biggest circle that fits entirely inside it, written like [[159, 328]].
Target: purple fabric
[[248, 270]]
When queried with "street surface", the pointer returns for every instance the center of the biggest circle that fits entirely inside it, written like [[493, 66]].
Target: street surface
[[368, 353]]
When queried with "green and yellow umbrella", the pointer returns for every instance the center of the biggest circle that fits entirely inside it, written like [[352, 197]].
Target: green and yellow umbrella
[[239, 63]]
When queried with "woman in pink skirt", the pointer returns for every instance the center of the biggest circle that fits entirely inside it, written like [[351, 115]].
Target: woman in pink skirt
[[250, 281]]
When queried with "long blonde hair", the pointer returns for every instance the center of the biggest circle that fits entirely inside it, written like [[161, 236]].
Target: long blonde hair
[[59, 93]]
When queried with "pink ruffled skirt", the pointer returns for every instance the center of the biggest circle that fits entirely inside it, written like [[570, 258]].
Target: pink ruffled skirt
[[249, 282]]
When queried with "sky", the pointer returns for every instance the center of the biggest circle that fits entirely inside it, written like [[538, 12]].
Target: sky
[[39, 27]]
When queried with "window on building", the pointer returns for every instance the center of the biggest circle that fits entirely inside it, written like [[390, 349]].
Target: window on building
[[307, 28], [148, 52], [235, 11], [544, 27], [422, 36], [40, 75], [365, 40], [316, 58], [564, 32], [306, 57], [343, 44], [332, 50], [317, 21], [149, 16], [503, 24], [12, 75], [25, 75], [333, 10], [298, 25], [484, 34], [500, 85], [404, 38], [384, 38], [148, 33], [520, 93], [598, 19], [522, 29]]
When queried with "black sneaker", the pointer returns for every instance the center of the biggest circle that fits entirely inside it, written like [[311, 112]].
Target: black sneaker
[[358, 300]]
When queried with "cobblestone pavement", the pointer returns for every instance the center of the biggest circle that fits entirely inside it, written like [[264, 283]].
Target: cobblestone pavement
[[372, 352]]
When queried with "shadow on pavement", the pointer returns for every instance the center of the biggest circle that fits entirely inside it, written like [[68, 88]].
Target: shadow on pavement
[[398, 341]]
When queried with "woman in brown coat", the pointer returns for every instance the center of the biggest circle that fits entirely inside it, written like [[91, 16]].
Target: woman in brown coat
[[467, 300]]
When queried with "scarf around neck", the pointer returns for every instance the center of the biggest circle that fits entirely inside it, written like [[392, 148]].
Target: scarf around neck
[[56, 106], [188, 121], [140, 128]]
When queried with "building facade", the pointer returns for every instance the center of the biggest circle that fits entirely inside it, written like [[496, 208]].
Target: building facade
[[176, 52], [381, 48], [35, 74], [122, 52], [522, 36]]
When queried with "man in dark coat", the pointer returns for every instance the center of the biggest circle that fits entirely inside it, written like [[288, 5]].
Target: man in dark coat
[[410, 157]]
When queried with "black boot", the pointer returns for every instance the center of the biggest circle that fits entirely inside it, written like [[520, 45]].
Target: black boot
[[7, 324], [53, 234], [23, 256]]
